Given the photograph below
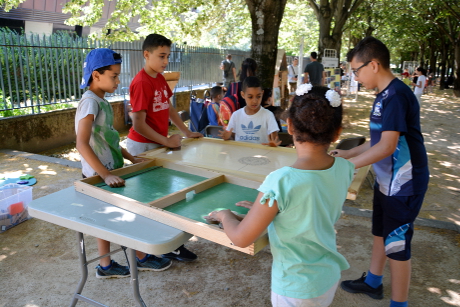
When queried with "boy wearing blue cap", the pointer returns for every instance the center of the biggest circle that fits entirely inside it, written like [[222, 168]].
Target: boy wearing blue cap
[[99, 148]]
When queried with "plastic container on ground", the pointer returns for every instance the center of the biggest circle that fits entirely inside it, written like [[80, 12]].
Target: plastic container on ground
[[14, 201]]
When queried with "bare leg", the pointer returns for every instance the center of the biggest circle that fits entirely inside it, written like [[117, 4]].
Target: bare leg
[[140, 255], [103, 247], [400, 279], [379, 257]]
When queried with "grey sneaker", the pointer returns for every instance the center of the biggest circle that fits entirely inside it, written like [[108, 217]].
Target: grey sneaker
[[115, 271], [154, 263]]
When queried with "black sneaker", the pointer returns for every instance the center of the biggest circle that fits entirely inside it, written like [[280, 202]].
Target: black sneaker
[[115, 271], [359, 286], [153, 263], [181, 254]]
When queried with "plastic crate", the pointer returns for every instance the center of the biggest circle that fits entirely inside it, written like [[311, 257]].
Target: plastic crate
[[14, 201]]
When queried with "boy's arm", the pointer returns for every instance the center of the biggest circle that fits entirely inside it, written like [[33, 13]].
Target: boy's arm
[[175, 118], [85, 150], [364, 154], [234, 73], [141, 126], [273, 140], [130, 157]]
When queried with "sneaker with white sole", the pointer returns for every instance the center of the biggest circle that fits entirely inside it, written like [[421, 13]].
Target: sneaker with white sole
[[115, 271], [181, 254], [154, 263], [359, 286]]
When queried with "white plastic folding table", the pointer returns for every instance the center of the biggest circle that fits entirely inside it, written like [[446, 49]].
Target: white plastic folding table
[[87, 215]]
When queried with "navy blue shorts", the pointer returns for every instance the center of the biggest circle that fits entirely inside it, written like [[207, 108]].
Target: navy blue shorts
[[393, 219]]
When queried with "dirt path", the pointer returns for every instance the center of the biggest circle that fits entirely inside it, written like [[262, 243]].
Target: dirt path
[[38, 260]]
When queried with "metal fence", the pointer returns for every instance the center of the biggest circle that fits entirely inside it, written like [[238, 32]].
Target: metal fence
[[41, 71]]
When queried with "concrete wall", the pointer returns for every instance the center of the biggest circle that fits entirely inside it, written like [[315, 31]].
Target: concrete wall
[[40, 132]]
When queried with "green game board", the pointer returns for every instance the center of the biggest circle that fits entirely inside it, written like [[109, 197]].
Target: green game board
[[222, 196], [154, 184]]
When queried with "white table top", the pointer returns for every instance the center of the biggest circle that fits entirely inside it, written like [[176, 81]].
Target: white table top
[[77, 211]]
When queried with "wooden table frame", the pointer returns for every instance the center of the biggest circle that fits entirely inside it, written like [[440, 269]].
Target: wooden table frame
[[154, 209]]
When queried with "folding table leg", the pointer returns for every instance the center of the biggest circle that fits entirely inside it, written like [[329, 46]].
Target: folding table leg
[[134, 276]]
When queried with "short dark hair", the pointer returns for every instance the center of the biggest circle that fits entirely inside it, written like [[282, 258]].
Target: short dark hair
[[313, 118], [229, 56], [153, 41], [248, 68], [314, 55], [422, 70], [251, 82], [216, 91], [370, 48], [267, 94], [101, 70]]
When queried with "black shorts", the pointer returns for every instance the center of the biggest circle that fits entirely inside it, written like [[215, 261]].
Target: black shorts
[[393, 219]]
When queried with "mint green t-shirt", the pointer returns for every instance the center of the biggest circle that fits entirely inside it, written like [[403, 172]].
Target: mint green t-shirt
[[306, 262]]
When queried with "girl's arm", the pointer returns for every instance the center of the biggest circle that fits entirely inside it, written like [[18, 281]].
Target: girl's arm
[[245, 232], [85, 150]]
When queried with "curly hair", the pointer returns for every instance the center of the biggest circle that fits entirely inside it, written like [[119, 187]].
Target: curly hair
[[313, 119]]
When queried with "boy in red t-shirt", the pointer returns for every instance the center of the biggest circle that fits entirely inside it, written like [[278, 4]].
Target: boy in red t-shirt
[[151, 111]]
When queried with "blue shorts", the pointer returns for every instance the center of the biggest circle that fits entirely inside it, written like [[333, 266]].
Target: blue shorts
[[393, 219]]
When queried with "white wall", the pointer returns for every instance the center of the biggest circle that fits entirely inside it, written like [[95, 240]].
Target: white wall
[[38, 27]]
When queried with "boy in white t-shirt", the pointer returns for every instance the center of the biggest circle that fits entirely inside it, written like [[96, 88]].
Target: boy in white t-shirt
[[253, 124]]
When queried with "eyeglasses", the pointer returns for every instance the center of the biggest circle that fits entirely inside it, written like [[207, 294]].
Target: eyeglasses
[[355, 72]]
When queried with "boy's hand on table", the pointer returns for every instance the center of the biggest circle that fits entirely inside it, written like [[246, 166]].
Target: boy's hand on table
[[114, 181], [224, 134], [191, 134], [245, 204], [174, 141], [139, 160], [273, 141]]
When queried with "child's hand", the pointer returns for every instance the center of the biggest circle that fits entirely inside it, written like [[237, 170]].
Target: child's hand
[[273, 141], [245, 204], [191, 134], [139, 160], [174, 141], [114, 181], [225, 134], [339, 153]]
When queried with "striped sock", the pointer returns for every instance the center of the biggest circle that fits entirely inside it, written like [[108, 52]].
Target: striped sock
[[373, 280]]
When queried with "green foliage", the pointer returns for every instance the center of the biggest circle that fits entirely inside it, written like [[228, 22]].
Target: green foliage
[[38, 70]]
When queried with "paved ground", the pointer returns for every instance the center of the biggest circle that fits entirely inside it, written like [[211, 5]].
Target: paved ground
[[38, 260]]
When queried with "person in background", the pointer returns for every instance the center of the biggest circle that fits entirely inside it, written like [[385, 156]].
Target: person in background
[[228, 71], [419, 86], [314, 72], [293, 73], [213, 109], [248, 69]]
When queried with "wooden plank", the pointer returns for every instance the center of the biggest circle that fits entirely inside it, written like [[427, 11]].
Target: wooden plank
[[358, 182]]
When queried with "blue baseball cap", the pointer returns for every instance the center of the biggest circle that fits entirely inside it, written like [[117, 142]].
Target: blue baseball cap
[[95, 59]]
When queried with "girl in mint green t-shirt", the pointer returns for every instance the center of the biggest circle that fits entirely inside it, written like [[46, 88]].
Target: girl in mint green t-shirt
[[300, 205]]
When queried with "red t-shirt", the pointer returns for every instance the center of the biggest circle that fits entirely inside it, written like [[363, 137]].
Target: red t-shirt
[[152, 95]]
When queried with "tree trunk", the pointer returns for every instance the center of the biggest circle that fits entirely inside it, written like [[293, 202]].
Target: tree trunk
[[334, 13], [266, 16], [433, 56], [443, 64], [457, 69]]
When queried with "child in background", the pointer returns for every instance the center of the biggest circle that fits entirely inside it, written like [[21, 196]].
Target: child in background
[[97, 140], [419, 86], [253, 124], [400, 162], [151, 111], [298, 206], [213, 109], [267, 103]]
